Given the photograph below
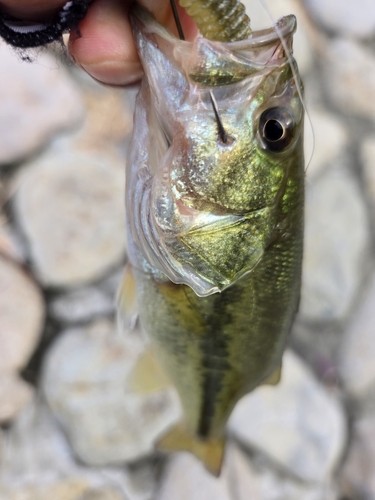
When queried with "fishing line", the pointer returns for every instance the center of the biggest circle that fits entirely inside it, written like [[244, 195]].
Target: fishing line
[[264, 6]]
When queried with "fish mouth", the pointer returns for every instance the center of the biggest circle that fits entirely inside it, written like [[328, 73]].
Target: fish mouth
[[212, 63]]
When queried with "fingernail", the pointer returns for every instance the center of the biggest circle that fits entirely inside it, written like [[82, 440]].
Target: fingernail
[[114, 72]]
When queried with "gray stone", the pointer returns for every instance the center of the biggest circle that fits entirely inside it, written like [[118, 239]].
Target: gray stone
[[368, 162], [71, 209], [296, 423], [337, 246], [357, 353], [242, 478], [357, 475], [21, 316], [10, 244], [349, 75], [37, 459], [82, 305], [327, 142], [186, 478], [37, 100], [15, 394], [254, 478], [68, 489], [347, 18], [88, 384]]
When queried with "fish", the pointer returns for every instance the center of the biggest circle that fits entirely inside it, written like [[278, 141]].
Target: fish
[[214, 200]]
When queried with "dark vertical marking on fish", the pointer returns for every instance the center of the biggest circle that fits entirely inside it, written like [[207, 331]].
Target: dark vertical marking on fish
[[215, 353]]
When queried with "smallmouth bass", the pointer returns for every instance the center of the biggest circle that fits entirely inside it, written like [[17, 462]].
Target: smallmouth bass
[[215, 223]]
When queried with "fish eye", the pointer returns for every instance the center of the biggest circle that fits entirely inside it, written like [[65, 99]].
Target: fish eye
[[276, 128]]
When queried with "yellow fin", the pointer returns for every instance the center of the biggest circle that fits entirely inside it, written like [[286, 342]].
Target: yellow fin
[[147, 375], [127, 300], [274, 378], [210, 451]]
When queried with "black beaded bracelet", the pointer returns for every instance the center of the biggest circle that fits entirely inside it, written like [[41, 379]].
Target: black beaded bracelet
[[24, 35]]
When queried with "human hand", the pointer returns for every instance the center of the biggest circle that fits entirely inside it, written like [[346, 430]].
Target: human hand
[[105, 48]]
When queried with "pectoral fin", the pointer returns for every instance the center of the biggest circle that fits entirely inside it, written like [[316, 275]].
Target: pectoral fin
[[147, 375], [127, 300], [210, 452], [274, 378]]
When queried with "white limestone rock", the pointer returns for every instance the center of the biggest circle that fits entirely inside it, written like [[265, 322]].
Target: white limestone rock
[[349, 76], [327, 142], [242, 478], [337, 245], [71, 209], [296, 423], [67, 489], [186, 478], [254, 478], [357, 475], [22, 313], [88, 384], [37, 100], [346, 18], [37, 461], [357, 352], [368, 162], [15, 394], [82, 305]]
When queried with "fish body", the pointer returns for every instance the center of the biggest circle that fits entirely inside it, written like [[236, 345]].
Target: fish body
[[215, 228]]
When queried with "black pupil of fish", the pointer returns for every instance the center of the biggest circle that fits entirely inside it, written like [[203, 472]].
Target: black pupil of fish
[[273, 130]]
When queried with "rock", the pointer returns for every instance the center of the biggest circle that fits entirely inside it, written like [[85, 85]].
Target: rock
[[328, 142], [242, 478], [88, 384], [347, 18], [71, 209], [69, 489], [109, 118], [37, 100], [337, 246], [357, 353], [10, 244], [357, 475], [186, 478], [368, 162], [82, 305], [254, 478], [349, 75], [15, 394], [260, 18], [37, 454], [21, 316], [297, 423]]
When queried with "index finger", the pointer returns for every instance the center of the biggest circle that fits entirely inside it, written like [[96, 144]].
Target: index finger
[[105, 48]]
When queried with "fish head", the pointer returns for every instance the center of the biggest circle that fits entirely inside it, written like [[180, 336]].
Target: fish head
[[221, 151]]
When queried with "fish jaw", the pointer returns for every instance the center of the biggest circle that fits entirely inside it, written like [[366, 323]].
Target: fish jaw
[[195, 201]]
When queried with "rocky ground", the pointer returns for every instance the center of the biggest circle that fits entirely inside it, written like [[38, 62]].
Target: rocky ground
[[72, 424]]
